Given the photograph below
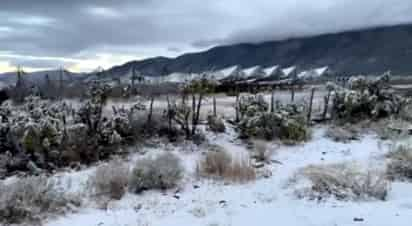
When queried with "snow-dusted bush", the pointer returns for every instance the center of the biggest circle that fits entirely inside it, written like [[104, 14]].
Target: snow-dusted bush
[[366, 99], [240, 170], [219, 164], [341, 181], [400, 164], [215, 163], [261, 151], [249, 106], [45, 135], [285, 122], [286, 126], [32, 199], [110, 180], [216, 124], [342, 133], [162, 172]]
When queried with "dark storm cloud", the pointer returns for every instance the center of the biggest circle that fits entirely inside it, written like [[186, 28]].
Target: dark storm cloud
[[82, 29]]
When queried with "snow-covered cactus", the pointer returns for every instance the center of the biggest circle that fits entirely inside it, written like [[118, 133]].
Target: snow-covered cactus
[[365, 98]]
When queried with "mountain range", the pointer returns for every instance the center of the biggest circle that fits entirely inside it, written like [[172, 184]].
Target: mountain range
[[365, 51]]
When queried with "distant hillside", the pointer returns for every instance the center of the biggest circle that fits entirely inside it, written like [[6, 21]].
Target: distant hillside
[[366, 51], [39, 77]]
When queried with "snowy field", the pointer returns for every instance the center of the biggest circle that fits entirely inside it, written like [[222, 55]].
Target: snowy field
[[267, 201], [225, 104]]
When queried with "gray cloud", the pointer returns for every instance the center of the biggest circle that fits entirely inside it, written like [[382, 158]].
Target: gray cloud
[[83, 29]]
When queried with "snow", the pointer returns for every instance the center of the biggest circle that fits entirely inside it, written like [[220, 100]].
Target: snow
[[321, 71], [303, 74], [263, 202], [288, 70], [270, 70], [229, 71], [176, 78], [226, 73], [314, 73], [251, 71]]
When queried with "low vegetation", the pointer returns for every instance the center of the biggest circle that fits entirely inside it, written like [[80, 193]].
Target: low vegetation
[[341, 181], [261, 152], [286, 123], [162, 172], [30, 200], [342, 134], [400, 163], [365, 99], [219, 164], [110, 180], [216, 124]]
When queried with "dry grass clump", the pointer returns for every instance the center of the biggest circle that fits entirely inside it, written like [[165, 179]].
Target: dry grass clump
[[261, 152], [400, 164], [343, 182], [110, 180], [390, 129], [163, 172], [31, 199], [343, 134], [220, 165]]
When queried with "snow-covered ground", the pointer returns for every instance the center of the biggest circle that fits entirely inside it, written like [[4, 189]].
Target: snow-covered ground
[[266, 201]]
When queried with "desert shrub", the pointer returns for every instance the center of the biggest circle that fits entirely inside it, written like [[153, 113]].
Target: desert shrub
[[110, 179], [400, 164], [405, 112], [240, 170], [261, 152], [214, 163], [365, 99], [343, 182], [219, 164], [163, 172], [287, 123], [342, 133], [216, 124], [31, 199], [294, 131]]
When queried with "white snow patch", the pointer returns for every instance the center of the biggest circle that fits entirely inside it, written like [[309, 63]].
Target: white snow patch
[[288, 70], [264, 202]]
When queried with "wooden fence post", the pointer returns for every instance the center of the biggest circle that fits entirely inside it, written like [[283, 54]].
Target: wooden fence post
[[326, 105], [272, 101], [214, 106], [312, 94]]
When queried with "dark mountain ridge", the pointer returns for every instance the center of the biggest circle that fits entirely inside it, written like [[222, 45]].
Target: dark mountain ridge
[[366, 51]]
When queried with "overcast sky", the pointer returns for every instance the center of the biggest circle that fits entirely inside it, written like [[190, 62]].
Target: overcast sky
[[82, 35]]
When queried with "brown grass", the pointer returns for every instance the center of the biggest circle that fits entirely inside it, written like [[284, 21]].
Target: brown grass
[[344, 182], [162, 172], [400, 164], [220, 165], [261, 152], [110, 180], [30, 200]]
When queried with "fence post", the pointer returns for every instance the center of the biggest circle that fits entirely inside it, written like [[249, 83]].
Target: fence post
[[214, 106], [237, 107], [272, 101], [312, 93], [326, 105]]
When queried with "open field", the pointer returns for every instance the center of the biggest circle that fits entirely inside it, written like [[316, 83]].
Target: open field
[[251, 182]]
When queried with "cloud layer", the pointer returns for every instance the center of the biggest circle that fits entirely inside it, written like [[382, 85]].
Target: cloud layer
[[84, 34]]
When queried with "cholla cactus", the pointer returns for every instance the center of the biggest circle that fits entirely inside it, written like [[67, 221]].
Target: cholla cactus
[[250, 105], [286, 123], [365, 98]]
